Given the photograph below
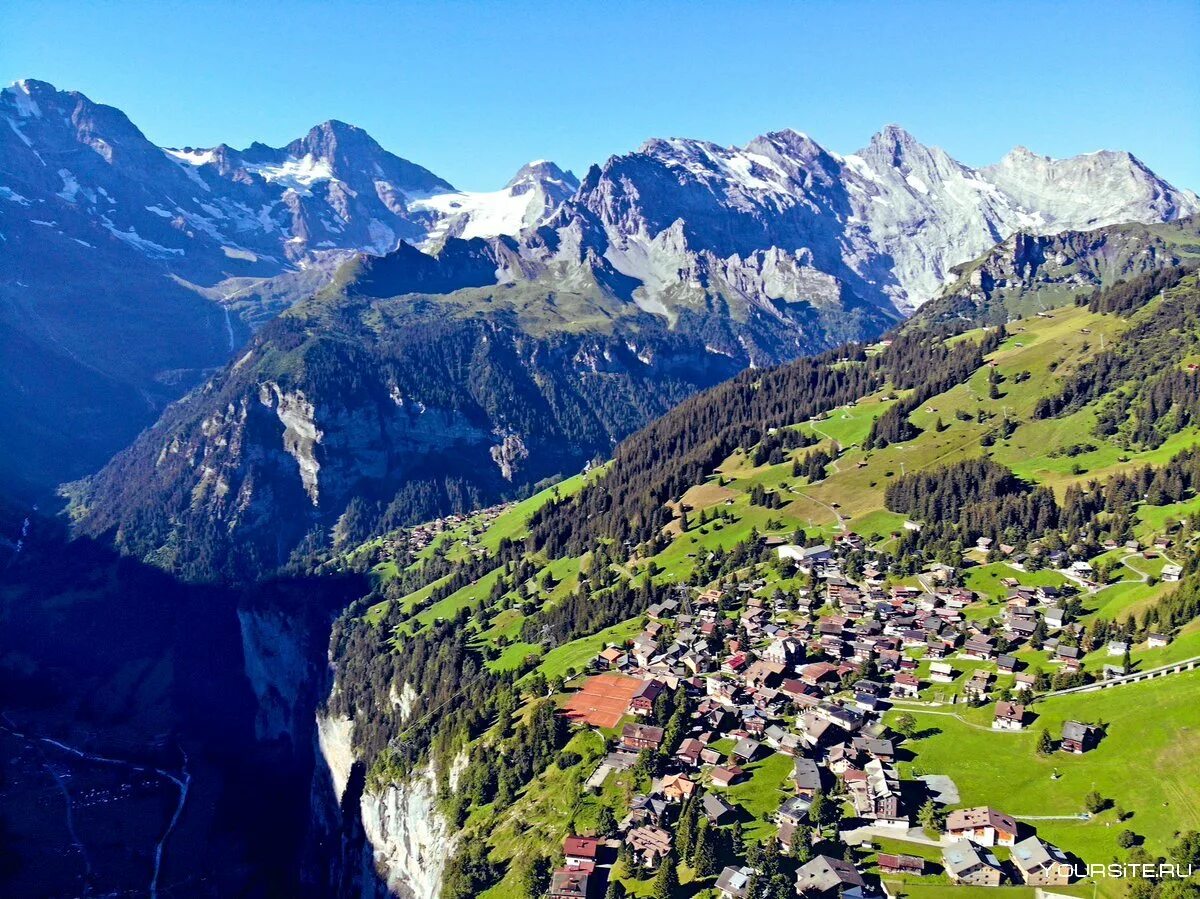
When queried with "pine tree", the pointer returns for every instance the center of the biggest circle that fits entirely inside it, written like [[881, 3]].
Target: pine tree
[[686, 830], [704, 850], [1045, 745], [801, 845], [737, 843], [666, 881], [616, 890], [931, 818]]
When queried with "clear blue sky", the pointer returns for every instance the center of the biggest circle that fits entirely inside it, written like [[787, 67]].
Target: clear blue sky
[[472, 90]]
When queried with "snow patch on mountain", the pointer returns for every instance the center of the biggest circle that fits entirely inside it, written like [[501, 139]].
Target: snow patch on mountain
[[295, 174]]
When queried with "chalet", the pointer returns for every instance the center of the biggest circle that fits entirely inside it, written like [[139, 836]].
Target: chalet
[[644, 649], [876, 795], [636, 737], [580, 851], [1009, 716], [1048, 594], [1117, 647], [665, 609], [723, 776], [782, 740], [649, 843], [966, 864], [906, 685], [827, 876], [979, 686], [642, 702], [689, 752], [819, 731], [764, 673], [677, 787], [611, 659], [1041, 864], [1157, 641], [1063, 653], [711, 756], [568, 884], [806, 776], [735, 663], [941, 672], [900, 864], [1172, 572], [1083, 571], [1024, 682], [820, 674], [832, 626], [793, 811], [866, 702], [745, 750], [978, 648], [1078, 737], [734, 883], [1006, 664], [982, 825], [1021, 626], [846, 718], [1055, 618], [647, 811], [716, 809]]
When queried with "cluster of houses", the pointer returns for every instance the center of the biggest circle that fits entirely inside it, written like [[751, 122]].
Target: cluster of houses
[[419, 537], [813, 688]]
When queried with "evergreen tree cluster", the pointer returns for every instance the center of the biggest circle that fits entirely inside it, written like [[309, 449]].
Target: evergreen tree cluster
[[1126, 297], [1145, 396], [972, 499]]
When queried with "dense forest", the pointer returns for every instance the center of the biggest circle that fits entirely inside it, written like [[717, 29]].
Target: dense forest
[[1146, 395], [683, 447]]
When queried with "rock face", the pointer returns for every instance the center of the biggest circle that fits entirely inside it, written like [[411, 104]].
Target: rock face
[[394, 842], [888, 222], [410, 839], [330, 422], [1019, 276]]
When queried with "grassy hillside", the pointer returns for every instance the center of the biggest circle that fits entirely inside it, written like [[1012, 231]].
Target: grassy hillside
[[521, 607]]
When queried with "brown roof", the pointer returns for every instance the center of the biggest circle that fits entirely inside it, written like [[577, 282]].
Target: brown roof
[[579, 847], [982, 816]]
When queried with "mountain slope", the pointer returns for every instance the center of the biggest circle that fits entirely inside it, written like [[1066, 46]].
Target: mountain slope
[[416, 386], [1028, 273], [130, 272], [139, 269], [1007, 444], [373, 404]]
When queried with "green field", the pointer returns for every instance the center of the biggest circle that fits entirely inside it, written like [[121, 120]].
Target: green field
[[1145, 764]]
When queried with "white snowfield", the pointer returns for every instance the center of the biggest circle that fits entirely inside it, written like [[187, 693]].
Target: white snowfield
[[483, 213]]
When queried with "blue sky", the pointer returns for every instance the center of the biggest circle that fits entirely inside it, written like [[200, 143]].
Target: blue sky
[[472, 90]]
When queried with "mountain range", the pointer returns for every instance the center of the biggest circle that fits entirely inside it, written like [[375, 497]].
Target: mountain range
[[343, 316]]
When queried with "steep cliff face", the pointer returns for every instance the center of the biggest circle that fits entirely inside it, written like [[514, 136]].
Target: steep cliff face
[[355, 412], [393, 842], [285, 670], [1030, 272]]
